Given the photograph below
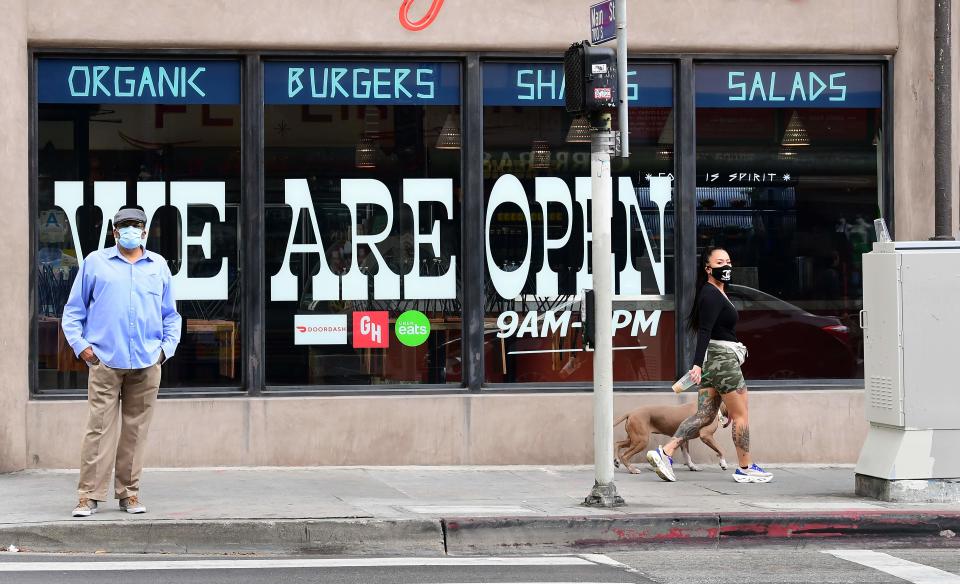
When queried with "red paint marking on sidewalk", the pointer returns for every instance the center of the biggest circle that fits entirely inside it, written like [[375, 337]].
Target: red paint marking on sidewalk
[[782, 530], [641, 529]]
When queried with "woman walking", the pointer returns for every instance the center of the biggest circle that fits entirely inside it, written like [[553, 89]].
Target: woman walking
[[716, 368]]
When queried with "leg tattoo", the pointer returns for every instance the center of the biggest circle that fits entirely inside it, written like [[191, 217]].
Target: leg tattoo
[[706, 411], [741, 436]]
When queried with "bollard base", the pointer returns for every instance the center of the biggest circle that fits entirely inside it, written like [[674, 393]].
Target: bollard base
[[604, 496], [909, 491]]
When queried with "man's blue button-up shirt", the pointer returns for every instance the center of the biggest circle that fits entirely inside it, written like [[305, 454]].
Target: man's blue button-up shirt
[[125, 311]]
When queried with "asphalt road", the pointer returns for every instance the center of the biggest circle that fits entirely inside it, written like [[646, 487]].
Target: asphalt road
[[849, 565], [76, 569], [779, 565]]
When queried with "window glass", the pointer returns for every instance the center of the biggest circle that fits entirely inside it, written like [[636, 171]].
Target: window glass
[[788, 181], [164, 135], [363, 198], [537, 189]]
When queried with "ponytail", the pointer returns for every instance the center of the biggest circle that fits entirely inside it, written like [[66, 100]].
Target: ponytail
[[693, 319]]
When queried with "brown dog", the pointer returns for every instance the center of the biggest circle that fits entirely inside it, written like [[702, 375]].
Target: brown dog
[[646, 420]]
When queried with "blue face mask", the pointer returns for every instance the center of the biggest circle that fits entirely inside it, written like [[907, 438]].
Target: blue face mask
[[130, 237]]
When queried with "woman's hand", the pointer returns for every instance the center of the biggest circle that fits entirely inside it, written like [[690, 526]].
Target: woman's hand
[[695, 374]]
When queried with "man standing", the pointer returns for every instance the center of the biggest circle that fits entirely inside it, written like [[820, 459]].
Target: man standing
[[121, 318]]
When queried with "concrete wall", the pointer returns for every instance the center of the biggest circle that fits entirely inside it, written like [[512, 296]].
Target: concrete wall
[[913, 121], [14, 224], [797, 426], [822, 426], [818, 26]]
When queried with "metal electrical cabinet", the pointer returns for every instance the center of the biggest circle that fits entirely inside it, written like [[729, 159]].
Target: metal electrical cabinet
[[911, 323]]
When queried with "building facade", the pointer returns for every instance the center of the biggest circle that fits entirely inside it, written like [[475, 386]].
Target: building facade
[[379, 229]]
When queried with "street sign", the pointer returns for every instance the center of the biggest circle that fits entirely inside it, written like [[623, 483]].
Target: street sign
[[603, 23]]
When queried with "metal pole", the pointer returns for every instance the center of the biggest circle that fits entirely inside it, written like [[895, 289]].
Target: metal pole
[[943, 175], [604, 493], [620, 10]]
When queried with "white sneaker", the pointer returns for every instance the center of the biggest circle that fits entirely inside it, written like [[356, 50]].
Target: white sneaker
[[85, 508], [752, 474], [132, 505], [662, 464]]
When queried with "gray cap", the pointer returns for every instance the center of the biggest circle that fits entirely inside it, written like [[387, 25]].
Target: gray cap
[[130, 214]]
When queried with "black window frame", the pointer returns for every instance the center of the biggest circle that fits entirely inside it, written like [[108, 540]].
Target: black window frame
[[34, 55], [618, 385], [472, 210], [461, 59]]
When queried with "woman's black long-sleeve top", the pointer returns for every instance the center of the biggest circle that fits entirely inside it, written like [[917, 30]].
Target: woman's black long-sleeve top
[[718, 320]]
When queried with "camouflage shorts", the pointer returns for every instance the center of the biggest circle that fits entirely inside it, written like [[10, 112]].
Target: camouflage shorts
[[721, 370]]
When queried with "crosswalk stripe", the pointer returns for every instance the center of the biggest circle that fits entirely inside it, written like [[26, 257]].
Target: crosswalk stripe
[[907, 570], [607, 561], [108, 566]]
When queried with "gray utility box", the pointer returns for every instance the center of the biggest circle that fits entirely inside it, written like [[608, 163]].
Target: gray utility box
[[911, 326]]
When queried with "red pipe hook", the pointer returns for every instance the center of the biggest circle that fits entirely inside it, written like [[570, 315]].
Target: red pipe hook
[[423, 22]]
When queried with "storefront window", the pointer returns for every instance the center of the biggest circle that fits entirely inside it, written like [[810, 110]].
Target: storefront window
[[362, 215], [789, 166], [164, 135], [537, 192], [363, 198]]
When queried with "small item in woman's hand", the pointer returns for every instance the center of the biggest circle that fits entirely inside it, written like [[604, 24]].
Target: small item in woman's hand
[[684, 383], [696, 374]]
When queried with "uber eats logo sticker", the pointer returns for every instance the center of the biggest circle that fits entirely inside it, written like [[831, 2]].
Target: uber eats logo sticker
[[412, 328]]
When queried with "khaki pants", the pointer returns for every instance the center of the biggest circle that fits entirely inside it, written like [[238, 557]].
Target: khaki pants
[[114, 395]]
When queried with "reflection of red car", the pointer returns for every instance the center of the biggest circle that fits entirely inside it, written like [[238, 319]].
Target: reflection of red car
[[787, 342], [561, 359]]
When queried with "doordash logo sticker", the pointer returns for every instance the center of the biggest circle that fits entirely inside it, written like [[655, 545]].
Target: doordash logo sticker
[[370, 330], [320, 329]]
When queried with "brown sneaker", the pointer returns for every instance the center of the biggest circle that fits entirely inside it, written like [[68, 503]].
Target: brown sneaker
[[85, 508], [132, 505]]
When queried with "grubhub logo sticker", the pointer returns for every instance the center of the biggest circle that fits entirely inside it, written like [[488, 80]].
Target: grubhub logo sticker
[[412, 328], [320, 329], [371, 330]]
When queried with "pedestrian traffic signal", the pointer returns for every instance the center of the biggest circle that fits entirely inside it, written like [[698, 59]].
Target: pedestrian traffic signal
[[591, 78]]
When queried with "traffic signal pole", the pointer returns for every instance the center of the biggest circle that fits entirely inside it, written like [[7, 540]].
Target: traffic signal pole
[[603, 144], [604, 493], [596, 79], [620, 9]]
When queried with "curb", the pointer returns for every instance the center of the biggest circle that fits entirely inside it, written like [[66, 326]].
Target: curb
[[469, 536], [482, 535], [341, 537]]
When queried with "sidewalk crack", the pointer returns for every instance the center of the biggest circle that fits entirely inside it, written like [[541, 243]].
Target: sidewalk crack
[[714, 490], [443, 533]]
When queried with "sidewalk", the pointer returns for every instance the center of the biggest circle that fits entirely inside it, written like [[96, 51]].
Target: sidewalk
[[450, 510]]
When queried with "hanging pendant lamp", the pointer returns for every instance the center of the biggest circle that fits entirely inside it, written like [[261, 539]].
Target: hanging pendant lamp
[[579, 132], [540, 155], [665, 142], [449, 138], [796, 132], [366, 153]]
